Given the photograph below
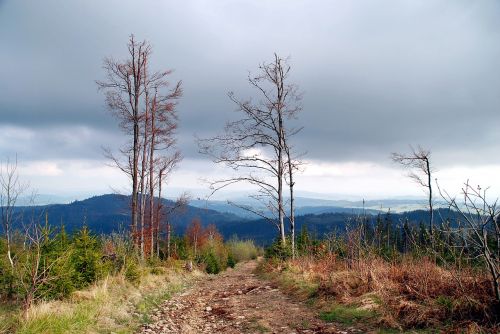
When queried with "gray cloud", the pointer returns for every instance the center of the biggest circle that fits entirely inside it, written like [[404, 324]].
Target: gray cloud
[[377, 76]]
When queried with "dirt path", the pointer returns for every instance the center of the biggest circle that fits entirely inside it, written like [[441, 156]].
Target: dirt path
[[236, 301]]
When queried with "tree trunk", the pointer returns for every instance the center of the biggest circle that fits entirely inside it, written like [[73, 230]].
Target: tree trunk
[[431, 218], [135, 184], [136, 69], [281, 147], [169, 236], [143, 197], [159, 216], [151, 173], [292, 209], [9, 255]]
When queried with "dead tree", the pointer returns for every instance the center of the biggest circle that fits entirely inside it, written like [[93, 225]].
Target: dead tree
[[145, 107], [480, 232], [143, 170], [163, 124], [124, 91], [420, 171], [254, 146], [293, 165], [11, 187]]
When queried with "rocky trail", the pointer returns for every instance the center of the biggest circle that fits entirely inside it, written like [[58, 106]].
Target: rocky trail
[[236, 301]]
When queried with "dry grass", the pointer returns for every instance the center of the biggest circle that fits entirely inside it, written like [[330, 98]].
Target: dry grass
[[112, 305], [408, 294]]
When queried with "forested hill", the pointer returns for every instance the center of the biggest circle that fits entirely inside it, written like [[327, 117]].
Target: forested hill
[[263, 231], [110, 213]]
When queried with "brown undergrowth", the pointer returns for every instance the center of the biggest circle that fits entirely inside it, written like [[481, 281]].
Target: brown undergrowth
[[407, 294]]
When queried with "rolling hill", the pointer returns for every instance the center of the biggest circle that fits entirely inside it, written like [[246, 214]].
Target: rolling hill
[[110, 213]]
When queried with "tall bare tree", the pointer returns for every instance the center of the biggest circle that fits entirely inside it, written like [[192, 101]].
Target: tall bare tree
[[145, 106], [420, 171], [163, 124], [124, 90], [255, 145], [293, 164]]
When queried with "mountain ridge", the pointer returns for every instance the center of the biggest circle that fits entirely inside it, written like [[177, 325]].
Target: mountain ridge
[[108, 213]]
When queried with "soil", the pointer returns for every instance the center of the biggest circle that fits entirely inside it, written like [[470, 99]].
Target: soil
[[236, 301]]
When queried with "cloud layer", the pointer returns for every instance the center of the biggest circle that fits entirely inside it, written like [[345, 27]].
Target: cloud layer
[[377, 76]]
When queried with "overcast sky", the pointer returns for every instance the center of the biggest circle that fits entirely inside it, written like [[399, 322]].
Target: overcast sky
[[377, 76]]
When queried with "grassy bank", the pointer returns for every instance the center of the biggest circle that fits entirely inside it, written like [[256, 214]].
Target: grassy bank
[[411, 296], [113, 304]]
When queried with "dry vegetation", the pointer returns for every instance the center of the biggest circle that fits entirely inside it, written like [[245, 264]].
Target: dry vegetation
[[113, 304], [408, 294]]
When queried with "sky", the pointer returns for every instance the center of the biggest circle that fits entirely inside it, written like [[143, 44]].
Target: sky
[[377, 76]]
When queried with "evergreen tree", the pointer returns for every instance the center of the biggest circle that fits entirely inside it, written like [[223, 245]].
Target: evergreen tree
[[85, 257]]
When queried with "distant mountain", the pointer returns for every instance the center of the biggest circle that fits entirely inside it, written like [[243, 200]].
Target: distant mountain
[[306, 205], [224, 207], [263, 232], [316, 210], [111, 213]]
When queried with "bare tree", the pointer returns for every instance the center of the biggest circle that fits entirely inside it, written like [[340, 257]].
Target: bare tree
[[124, 89], [480, 231], [145, 107], [163, 124], [420, 171], [292, 165], [255, 145], [11, 187]]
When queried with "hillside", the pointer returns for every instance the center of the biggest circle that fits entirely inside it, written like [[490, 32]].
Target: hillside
[[110, 213]]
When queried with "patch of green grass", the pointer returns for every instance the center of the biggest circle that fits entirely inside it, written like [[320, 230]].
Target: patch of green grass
[[375, 298], [83, 316], [346, 314], [9, 317], [298, 286]]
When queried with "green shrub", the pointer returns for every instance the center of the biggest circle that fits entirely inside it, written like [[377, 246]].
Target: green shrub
[[279, 251], [231, 261], [7, 278], [57, 252], [243, 250], [157, 270], [85, 258], [446, 303], [212, 263], [133, 272], [179, 248]]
